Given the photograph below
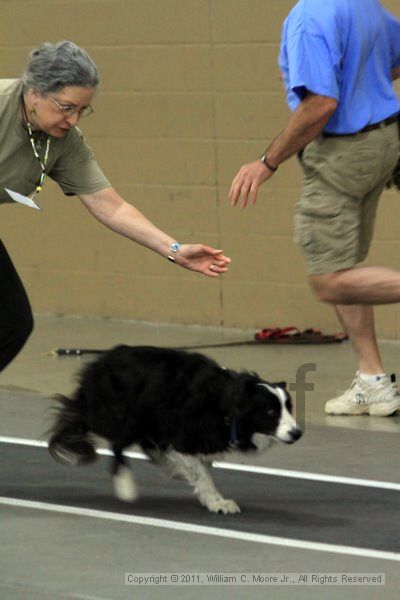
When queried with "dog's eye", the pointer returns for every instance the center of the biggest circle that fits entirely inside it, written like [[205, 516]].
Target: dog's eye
[[271, 412]]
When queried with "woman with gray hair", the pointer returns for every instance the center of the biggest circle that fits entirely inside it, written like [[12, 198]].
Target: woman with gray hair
[[39, 138]]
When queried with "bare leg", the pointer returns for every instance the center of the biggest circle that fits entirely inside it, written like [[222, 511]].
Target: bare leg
[[383, 397], [365, 285], [358, 323]]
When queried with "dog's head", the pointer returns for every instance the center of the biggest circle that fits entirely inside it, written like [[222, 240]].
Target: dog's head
[[266, 408], [276, 417]]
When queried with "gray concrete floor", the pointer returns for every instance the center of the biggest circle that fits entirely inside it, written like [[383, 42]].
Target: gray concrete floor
[[48, 555]]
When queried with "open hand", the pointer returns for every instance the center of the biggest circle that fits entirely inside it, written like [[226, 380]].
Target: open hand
[[206, 260], [245, 186]]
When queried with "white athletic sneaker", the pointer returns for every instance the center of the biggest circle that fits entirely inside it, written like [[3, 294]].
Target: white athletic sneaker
[[380, 399]]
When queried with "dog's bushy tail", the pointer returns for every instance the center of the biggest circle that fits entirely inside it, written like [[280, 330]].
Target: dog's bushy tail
[[70, 441]]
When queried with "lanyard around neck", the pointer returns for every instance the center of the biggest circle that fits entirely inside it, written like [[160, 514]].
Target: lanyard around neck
[[43, 162]]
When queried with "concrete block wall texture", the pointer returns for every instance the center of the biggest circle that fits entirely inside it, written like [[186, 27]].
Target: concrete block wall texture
[[189, 92]]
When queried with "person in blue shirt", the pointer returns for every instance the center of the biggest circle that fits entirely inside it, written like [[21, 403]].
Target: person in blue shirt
[[338, 61]]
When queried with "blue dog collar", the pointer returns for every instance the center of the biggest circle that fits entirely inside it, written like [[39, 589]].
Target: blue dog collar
[[234, 442]]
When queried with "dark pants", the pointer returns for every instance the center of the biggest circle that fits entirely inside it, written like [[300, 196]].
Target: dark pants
[[16, 321]]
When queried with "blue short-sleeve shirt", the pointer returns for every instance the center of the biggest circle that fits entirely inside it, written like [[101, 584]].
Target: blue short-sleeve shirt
[[344, 49]]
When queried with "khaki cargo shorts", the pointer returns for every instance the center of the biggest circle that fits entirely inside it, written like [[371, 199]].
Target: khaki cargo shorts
[[343, 178]]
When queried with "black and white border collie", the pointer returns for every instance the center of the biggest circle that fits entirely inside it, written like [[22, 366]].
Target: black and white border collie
[[181, 408]]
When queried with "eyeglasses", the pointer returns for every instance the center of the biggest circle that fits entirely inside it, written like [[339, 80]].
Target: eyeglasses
[[69, 110]]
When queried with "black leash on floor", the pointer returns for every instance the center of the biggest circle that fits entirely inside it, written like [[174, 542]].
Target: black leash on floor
[[289, 335], [82, 351]]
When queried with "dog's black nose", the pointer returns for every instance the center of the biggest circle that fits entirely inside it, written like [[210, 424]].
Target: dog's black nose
[[296, 434]]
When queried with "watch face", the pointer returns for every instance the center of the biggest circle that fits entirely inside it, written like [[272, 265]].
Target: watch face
[[175, 247]]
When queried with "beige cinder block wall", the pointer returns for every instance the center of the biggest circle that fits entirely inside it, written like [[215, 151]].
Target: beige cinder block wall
[[189, 92]]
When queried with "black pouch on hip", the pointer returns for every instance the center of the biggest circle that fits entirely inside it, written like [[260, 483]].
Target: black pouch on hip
[[394, 181]]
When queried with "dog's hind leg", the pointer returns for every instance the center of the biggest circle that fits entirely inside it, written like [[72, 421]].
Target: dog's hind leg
[[199, 476], [123, 481]]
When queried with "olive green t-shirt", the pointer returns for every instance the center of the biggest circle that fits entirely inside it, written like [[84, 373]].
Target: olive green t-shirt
[[70, 162]]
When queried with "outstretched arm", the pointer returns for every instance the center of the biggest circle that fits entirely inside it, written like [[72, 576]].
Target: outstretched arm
[[110, 209]]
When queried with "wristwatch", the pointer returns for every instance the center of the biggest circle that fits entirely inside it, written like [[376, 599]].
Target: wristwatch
[[264, 160], [174, 247]]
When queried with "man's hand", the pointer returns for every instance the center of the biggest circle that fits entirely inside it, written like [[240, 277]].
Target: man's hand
[[245, 186], [203, 259], [307, 121]]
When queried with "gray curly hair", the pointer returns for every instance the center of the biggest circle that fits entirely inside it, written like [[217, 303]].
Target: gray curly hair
[[54, 66]]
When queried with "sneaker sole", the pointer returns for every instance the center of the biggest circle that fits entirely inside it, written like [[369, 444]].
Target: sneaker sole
[[378, 409], [384, 409]]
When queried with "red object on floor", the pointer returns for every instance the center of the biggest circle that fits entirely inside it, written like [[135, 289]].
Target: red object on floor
[[293, 335]]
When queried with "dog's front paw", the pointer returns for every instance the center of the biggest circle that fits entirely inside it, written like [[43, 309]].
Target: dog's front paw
[[124, 485], [223, 506]]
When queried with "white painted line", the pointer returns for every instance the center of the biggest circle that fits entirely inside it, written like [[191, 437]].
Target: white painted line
[[201, 529], [372, 483], [39, 444], [386, 485]]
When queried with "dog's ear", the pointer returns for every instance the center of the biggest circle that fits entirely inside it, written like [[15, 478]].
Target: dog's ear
[[233, 390], [244, 389], [281, 384]]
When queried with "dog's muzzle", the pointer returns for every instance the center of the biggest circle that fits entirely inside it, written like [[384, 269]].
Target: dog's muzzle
[[293, 435]]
